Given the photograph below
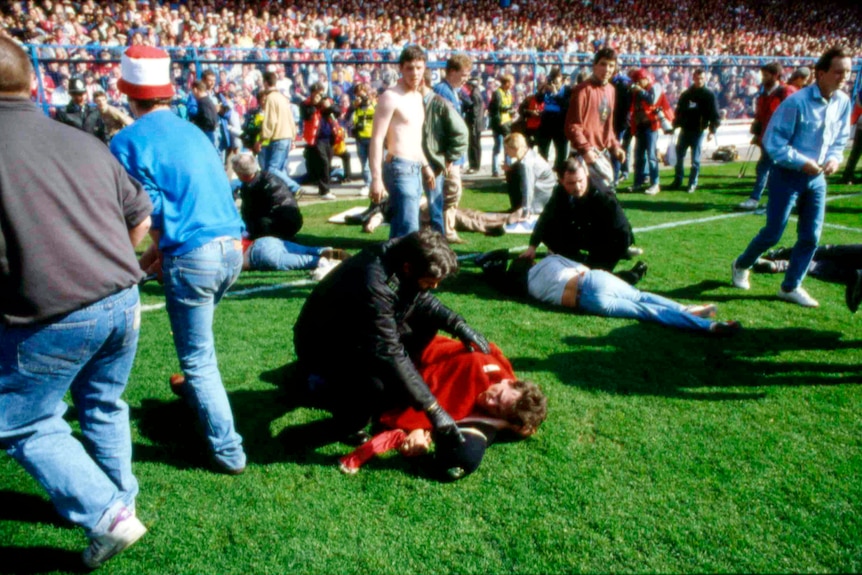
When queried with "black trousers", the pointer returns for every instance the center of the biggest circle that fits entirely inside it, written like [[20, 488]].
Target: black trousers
[[474, 146], [318, 164], [836, 264]]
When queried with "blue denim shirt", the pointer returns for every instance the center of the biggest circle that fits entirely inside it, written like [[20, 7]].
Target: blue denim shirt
[[806, 126]]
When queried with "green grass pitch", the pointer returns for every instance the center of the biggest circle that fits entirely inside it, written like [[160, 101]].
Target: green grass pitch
[[664, 451]]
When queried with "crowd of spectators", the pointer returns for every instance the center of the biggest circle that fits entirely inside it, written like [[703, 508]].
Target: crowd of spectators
[[241, 39]]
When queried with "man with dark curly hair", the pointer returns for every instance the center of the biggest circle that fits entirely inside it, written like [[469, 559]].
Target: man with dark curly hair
[[364, 326]]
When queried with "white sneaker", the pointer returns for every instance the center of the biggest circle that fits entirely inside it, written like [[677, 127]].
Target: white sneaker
[[328, 197], [740, 276], [749, 204], [798, 296], [364, 191], [652, 190], [124, 531]]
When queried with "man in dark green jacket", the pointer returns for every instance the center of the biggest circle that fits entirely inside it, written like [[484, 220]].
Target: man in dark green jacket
[[444, 141]]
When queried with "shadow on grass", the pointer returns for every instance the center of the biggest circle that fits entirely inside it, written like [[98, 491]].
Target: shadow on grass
[[15, 506], [624, 362], [22, 560]]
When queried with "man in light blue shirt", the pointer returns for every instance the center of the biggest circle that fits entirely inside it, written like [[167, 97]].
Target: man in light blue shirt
[[805, 139]]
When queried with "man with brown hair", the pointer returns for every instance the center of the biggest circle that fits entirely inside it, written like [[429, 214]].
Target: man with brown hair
[[457, 71], [590, 120], [772, 92], [70, 217]]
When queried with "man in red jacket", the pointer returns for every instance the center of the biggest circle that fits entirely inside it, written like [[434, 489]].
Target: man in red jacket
[[772, 92], [470, 384]]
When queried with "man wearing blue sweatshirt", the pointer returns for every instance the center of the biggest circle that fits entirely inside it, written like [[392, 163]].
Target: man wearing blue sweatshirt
[[197, 229]]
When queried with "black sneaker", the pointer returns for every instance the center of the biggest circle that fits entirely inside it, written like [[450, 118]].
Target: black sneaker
[[853, 294], [675, 185], [781, 253]]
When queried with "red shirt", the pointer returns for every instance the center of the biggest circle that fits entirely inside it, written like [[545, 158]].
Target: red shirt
[[590, 119], [456, 377]]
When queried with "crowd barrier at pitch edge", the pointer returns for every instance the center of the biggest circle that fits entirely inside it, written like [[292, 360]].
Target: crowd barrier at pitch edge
[[525, 66]]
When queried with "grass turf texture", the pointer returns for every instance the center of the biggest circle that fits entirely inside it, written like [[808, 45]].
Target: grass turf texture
[[664, 451]]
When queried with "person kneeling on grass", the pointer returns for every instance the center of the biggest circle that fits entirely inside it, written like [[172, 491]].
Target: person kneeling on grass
[[834, 264], [479, 390], [563, 282], [361, 325]]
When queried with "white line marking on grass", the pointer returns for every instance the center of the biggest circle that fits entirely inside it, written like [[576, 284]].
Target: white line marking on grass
[[308, 282], [249, 291]]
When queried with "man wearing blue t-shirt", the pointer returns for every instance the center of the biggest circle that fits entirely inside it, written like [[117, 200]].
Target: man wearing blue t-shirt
[[197, 229]]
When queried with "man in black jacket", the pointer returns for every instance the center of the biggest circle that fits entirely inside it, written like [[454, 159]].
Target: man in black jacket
[[268, 207], [695, 112], [583, 224], [363, 326], [474, 115]]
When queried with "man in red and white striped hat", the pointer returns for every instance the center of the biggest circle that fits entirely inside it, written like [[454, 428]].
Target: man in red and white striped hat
[[197, 229]]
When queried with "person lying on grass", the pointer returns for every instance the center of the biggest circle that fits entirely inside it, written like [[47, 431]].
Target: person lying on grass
[[840, 264], [563, 282], [479, 390], [265, 254]]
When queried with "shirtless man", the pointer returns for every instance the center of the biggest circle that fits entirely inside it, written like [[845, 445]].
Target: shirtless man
[[398, 122]]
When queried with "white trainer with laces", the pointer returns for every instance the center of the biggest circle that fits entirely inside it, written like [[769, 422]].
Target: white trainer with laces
[[749, 204], [125, 530], [740, 276], [652, 190], [798, 296]]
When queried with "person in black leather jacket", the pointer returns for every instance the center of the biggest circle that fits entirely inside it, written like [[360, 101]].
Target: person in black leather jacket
[[268, 207], [363, 326]]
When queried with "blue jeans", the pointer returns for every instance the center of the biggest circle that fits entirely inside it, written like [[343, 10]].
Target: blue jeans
[[646, 160], [786, 188], [273, 159], [604, 294], [273, 254], [435, 204], [693, 140], [498, 147], [764, 166], [194, 284], [90, 352], [403, 181], [363, 145], [625, 139]]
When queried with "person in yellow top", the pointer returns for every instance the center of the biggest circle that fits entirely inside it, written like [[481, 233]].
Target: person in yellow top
[[500, 113], [363, 119], [277, 132]]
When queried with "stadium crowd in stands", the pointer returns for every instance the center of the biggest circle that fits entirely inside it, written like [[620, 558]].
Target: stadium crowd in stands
[[245, 36]]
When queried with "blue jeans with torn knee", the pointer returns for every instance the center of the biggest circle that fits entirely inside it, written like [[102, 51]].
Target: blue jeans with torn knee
[[90, 353], [194, 284]]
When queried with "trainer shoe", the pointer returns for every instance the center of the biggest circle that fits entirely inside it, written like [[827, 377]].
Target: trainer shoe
[[749, 204], [705, 310], [335, 254], [124, 531], [692, 189], [762, 266], [740, 276], [652, 190], [725, 328], [364, 191], [798, 296], [328, 197], [633, 252], [853, 293]]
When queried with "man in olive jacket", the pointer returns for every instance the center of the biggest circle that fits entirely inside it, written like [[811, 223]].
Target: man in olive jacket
[[444, 141]]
